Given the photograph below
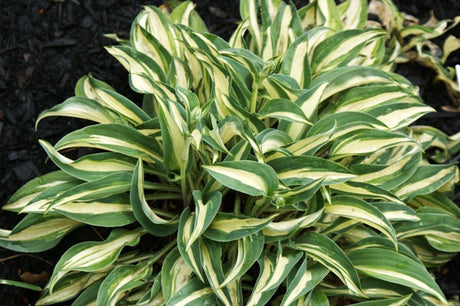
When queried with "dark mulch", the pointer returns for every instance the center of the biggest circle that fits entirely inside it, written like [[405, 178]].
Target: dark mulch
[[47, 45]]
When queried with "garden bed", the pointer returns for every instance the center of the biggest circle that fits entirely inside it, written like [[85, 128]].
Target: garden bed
[[46, 46]]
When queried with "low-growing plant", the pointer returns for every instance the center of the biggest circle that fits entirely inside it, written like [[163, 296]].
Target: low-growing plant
[[279, 167]]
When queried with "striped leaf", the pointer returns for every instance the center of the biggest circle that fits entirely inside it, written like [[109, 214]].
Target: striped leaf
[[275, 231], [365, 191], [301, 170], [249, 249], [437, 200], [192, 255], [398, 301], [112, 211], [204, 213], [35, 187], [90, 167], [186, 15], [273, 271], [113, 137], [142, 69], [400, 114], [441, 229], [194, 293], [283, 109], [296, 62], [94, 256], [176, 151], [68, 287], [329, 254], [248, 177], [94, 190], [355, 14], [356, 209], [394, 267], [143, 213], [228, 227], [305, 280], [295, 195], [175, 274], [121, 280], [342, 47], [327, 15], [82, 108], [37, 233], [89, 295], [427, 179], [389, 176], [366, 141], [212, 266], [396, 211]]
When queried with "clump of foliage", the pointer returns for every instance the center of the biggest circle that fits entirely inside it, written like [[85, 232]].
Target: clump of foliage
[[277, 167]]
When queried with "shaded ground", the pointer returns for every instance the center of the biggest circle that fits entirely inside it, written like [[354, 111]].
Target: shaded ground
[[46, 46]]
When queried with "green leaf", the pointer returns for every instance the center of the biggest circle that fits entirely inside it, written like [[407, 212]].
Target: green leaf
[[301, 170], [394, 267], [112, 211], [175, 274], [273, 271], [356, 209], [283, 109], [249, 249], [366, 141], [94, 190], [80, 107], [37, 233], [120, 280], [22, 197], [194, 293], [90, 167], [249, 177], [329, 254], [143, 213], [306, 279], [94, 256], [116, 138], [426, 179], [228, 227], [204, 214]]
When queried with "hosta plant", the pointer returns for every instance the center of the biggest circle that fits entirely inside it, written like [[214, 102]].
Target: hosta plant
[[279, 167]]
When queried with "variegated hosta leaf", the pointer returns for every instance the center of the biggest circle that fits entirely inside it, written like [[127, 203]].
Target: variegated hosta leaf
[[301, 170], [426, 180], [190, 253], [340, 48], [283, 109], [442, 230], [113, 137], [398, 301], [122, 279], [295, 195], [94, 256], [394, 267], [194, 293], [90, 167], [275, 231], [249, 177], [68, 287], [296, 62], [35, 187], [37, 233], [329, 254], [112, 211], [389, 176], [175, 274], [273, 271], [353, 208], [229, 227], [366, 141], [365, 191], [396, 211], [154, 224], [207, 206], [83, 108], [110, 185], [307, 277], [249, 249], [89, 295], [437, 200]]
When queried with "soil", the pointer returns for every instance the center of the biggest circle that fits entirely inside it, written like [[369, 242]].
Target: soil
[[47, 45]]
